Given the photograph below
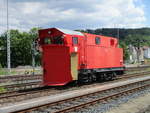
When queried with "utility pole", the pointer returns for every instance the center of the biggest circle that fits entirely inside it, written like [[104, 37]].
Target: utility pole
[[117, 28], [8, 42], [33, 56], [118, 33]]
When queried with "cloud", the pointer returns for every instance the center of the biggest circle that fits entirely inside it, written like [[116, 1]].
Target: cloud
[[77, 14]]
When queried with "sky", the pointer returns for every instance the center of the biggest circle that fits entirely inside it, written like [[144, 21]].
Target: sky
[[75, 14]]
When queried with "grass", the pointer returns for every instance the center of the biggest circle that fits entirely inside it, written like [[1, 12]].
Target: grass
[[2, 90], [148, 69], [5, 72]]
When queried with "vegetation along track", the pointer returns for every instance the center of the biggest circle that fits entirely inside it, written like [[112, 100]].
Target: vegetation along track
[[44, 91], [79, 101]]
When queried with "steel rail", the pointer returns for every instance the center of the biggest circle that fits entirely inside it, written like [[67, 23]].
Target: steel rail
[[100, 99], [19, 78], [18, 87], [136, 68], [21, 84], [16, 76], [133, 74], [78, 97], [13, 94], [123, 76]]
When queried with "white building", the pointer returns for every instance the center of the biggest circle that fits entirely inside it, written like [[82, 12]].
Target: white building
[[147, 52], [133, 58]]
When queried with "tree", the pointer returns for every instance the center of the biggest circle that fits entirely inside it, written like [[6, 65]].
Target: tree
[[126, 53], [36, 56], [21, 53], [3, 56]]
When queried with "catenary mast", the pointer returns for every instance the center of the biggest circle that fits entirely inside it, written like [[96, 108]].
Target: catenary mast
[[8, 42]]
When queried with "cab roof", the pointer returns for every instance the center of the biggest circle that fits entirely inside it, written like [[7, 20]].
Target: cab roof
[[70, 32], [64, 31]]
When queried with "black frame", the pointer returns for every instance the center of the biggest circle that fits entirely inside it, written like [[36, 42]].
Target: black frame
[[75, 40], [97, 40]]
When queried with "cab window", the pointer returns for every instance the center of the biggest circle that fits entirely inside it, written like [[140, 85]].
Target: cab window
[[47, 41], [97, 40], [58, 40], [75, 40], [54, 40]]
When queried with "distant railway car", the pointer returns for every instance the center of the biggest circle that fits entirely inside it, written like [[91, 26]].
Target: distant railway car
[[74, 56]]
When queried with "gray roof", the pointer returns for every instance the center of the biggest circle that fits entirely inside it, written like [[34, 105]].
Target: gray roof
[[66, 31]]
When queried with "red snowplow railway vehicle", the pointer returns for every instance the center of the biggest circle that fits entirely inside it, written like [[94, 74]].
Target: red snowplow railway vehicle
[[74, 56]]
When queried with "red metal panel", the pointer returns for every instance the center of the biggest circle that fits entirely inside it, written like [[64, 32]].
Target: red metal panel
[[103, 57], [105, 41], [56, 64]]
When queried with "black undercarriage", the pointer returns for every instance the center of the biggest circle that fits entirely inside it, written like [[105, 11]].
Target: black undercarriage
[[105, 74]]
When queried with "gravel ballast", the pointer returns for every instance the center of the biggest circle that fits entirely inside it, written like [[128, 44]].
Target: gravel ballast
[[137, 105], [138, 102]]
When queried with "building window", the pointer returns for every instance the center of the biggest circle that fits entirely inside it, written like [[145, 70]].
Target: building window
[[97, 40], [75, 40]]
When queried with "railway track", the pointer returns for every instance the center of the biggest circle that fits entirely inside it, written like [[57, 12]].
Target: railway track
[[24, 85], [19, 82], [82, 101], [133, 75], [17, 87], [16, 78], [8, 97], [22, 78], [73, 101], [137, 68]]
